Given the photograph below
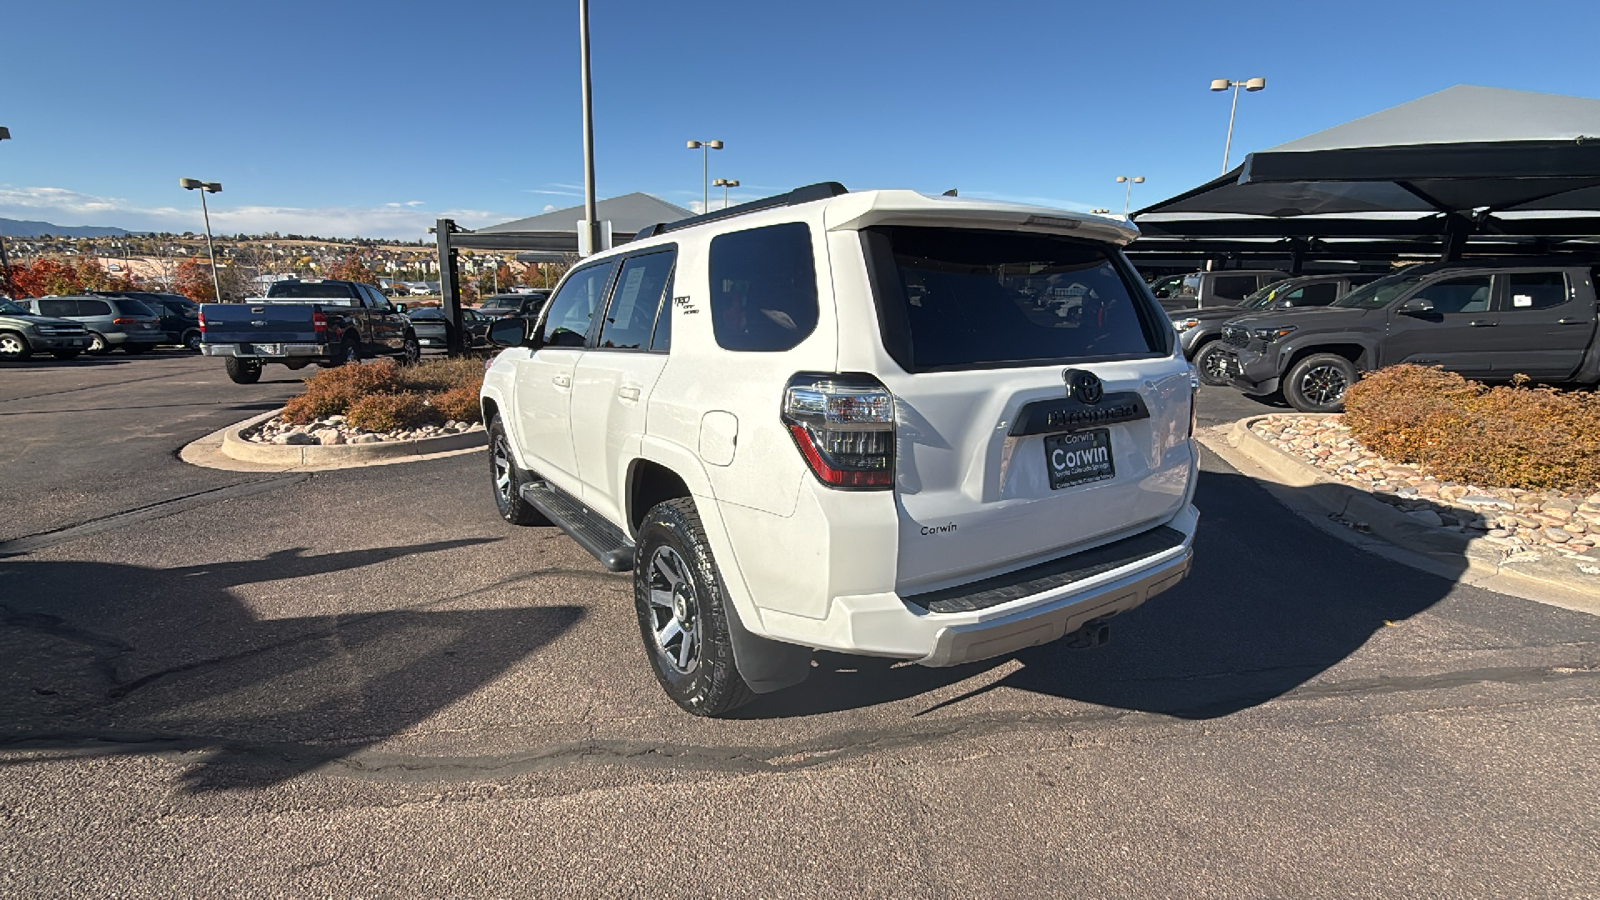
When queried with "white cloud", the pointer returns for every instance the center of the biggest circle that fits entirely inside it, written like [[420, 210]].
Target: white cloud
[[550, 207], [407, 219]]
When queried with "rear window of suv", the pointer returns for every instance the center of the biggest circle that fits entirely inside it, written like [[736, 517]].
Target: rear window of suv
[[970, 299]]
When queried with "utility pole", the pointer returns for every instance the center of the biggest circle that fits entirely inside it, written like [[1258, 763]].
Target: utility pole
[[590, 214]]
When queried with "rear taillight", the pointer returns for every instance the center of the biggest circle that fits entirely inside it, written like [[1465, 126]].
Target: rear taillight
[[124, 320], [1194, 398], [319, 322], [844, 427], [202, 320]]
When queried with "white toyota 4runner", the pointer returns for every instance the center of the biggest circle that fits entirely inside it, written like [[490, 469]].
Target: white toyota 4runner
[[930, 428]]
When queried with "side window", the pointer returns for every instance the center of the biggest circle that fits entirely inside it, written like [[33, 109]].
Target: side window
[[1319, 294], [572, 308], [661, 341], [763, 288], [631, 315], [58, 306], [88, 307], [1535, 290], [1457, 295], [1234, 287]]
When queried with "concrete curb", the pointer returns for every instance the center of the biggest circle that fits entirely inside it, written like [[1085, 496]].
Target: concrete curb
[[1359, 518], [225, 449]]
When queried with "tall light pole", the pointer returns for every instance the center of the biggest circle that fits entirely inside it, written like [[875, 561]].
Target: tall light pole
[[1222, 84], [726, 183], [705, 189], [5, 264], [590, 214], [206, 187], [1127, 195]]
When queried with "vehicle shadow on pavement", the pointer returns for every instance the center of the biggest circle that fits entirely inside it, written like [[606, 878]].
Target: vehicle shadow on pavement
[[115, 658], [1228, 638]]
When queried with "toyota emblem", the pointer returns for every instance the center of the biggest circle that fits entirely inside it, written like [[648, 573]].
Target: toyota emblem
[[1083, 386]]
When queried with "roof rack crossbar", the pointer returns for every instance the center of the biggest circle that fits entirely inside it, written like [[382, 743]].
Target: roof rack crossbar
[[810, 192]]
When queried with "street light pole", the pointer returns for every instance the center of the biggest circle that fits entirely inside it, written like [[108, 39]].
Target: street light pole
[[206, 187], [1127, 195], [590, 214], [705, 189], [5, 264], [726, 183], [1221, 84]]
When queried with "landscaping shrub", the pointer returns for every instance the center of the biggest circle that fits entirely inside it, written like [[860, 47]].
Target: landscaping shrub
[[1460, 430], [332, 391], [460, 404], [392, 412], [435, 375]]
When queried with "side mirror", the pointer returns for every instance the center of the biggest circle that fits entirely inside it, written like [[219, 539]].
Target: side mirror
[[399, 307], [1417, 306], [513, 331], [1283, 304]]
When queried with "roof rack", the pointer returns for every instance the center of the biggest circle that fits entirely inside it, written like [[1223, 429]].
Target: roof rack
[[810, 192]]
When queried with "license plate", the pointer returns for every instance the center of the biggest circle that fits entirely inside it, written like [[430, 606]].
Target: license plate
[[1078, 458], [268, 348]]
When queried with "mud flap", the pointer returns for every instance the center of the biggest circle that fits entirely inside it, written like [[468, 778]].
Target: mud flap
[[764, 664]]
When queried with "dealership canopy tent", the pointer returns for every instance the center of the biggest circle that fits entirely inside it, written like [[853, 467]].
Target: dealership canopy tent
[[550, 236], [1508, 169]]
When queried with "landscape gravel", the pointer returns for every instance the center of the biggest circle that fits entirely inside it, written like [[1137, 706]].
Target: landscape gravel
[[335, 430], [1566, 523]]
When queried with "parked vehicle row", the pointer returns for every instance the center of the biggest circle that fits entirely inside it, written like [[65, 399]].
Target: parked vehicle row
[[1490, 320], [24, 332], [304, 322]]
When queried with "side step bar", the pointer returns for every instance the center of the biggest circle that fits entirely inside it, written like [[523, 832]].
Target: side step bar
[[593, 533]]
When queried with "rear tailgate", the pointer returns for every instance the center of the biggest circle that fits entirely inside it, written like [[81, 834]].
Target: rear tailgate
[[240, 323], [1040, 409]]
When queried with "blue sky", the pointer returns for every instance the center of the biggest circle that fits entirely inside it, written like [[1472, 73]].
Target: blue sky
[[349, 117]]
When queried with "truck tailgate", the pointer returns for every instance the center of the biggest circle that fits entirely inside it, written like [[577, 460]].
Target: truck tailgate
[[238, 323]]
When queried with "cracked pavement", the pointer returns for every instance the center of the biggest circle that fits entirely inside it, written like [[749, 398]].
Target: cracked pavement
[[362, 683]]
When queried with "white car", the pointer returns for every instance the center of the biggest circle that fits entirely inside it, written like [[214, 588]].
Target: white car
[[854, 421]]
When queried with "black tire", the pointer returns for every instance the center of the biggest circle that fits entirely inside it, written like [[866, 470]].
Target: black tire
[[1318, 383], [136, 349], [98, 344], [191, 340], [680, 602], [349, 351], [242, 371], [65, 354], [507, 479], [1211, 361], [14, 346], [410, 350]]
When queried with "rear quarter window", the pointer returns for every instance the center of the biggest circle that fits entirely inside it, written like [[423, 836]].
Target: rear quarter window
[[951, 299], [763, 288]]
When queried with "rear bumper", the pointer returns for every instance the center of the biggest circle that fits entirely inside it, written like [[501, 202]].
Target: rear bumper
[[276, 351], [890, 625]]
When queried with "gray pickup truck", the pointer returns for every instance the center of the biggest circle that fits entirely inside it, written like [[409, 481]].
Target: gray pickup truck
[[299, 323]]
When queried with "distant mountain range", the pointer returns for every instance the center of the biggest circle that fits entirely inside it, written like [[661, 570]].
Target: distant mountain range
[[21, 228]]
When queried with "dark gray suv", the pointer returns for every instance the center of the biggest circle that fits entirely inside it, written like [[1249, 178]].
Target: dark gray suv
[[1200, 330], [112, 321]]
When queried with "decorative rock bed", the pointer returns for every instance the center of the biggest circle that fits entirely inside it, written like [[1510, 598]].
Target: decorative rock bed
[[1522, 521], [335, 431]]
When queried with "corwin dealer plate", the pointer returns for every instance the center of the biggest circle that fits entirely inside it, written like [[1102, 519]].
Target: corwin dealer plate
[[1078, 458]]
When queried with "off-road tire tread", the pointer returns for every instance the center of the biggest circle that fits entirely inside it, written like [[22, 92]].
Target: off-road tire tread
[[725, 690], [518, 511], [240, 371], [1212, 346]]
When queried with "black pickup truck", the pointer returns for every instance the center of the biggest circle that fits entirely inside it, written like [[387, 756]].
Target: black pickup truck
[[1487, 319], [298, 323]]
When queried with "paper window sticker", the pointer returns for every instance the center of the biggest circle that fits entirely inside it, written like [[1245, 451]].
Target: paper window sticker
[[623, 310], [1522, 300]]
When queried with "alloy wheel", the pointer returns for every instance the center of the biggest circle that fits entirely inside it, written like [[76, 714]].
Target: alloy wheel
[[1216, 367], [674, 609], [501, 455], [10, 346], [1323, 385]]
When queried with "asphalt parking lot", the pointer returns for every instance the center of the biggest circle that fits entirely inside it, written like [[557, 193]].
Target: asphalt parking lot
[[363, 683]]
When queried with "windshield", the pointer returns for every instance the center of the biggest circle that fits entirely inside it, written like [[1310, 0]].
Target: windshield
[[1378, 294], [8, 308], [1264, 296]]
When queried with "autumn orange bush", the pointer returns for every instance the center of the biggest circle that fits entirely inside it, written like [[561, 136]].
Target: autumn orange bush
[[429, 393], [1460, 430], [392, 412]]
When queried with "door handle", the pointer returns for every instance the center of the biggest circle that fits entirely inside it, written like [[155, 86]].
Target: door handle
[[561, 381], [1483, 323], [1573, 321], [630, 392]]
